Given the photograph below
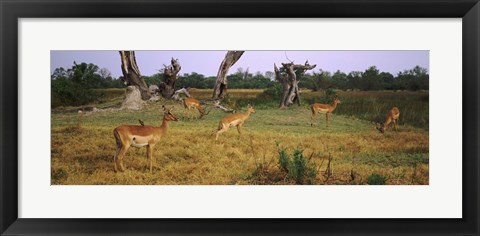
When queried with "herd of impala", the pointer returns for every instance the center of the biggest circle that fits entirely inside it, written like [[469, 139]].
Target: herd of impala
[[147, 135]]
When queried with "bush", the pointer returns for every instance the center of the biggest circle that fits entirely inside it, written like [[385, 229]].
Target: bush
[[330, 92], [272, 93], [376, 179], [284, 159], [68, 93], [296, 166], [74, 87]]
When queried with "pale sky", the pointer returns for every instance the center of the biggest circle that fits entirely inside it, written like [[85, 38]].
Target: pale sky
[[207, 62]]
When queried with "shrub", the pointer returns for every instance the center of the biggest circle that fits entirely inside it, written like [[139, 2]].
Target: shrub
[[376, 179], [273, 92], [330, 92], [297, 166], [284, 159]]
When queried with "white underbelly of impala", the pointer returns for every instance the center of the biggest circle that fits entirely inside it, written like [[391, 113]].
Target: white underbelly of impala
[[139, 142], [138, 145], [234, 123]]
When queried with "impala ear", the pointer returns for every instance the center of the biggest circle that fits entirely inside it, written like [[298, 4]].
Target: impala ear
[[171, 109], [163, 107]]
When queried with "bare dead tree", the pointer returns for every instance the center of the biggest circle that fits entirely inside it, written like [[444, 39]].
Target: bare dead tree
[[287, 76], [220, 89], [131, 73], [170, 76], [184, 91]]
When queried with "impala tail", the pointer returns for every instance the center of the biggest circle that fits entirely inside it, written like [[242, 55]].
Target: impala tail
[[117, 138]]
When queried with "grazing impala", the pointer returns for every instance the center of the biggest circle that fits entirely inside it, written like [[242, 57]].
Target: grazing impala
[[193, 104], [392, 116], [323, 108], [234, 120], [140, 136]]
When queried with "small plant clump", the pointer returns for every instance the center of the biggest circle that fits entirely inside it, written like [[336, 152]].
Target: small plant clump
[[59, 174], [296, 166], [376, 179]]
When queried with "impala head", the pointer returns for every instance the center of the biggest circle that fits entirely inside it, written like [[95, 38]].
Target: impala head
[[336, 100], [202, 111], [167, 114], [379, 127], [250, 109]]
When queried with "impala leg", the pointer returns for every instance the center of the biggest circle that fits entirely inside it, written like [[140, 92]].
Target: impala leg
[[148, 151], [150, 156], [239, 126], [188, 113], [115, 158], [119, 160], [224, 128], [327, 115], [312, 118], [395, 125], [387, 123]]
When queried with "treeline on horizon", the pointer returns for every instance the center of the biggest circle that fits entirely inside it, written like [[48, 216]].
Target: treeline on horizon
[[74, 86]]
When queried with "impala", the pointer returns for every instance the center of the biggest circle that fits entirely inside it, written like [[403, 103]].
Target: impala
[[193, 104], [234, 120], [323, 108], [392, 116], [140, 136]]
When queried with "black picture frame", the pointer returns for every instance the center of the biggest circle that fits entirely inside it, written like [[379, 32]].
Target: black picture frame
[[11, 11]]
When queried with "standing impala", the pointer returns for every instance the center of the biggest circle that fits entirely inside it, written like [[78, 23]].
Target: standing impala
[[234, 120], [323, 108], [140, 136], [392, 116], [192, 104]]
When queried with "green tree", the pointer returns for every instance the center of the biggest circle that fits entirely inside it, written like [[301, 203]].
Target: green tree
[[371, 79], [321, 80], [354, 80], [413, 79], [339, 80], [74, 86], [154, 79]]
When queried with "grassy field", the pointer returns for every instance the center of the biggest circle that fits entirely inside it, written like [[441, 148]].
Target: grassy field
[[350, 151]]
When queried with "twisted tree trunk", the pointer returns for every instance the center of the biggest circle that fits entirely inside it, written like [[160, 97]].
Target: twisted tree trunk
[[170, 76], [220, 89], [287, 76], [131, 74]]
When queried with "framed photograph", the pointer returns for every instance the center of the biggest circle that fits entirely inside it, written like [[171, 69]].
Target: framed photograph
[[224, 117]]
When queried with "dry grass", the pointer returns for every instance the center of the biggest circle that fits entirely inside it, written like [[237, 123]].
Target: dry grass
[[83, 149]]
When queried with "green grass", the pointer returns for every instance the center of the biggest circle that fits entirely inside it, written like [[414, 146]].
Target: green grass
[[367, 105]]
